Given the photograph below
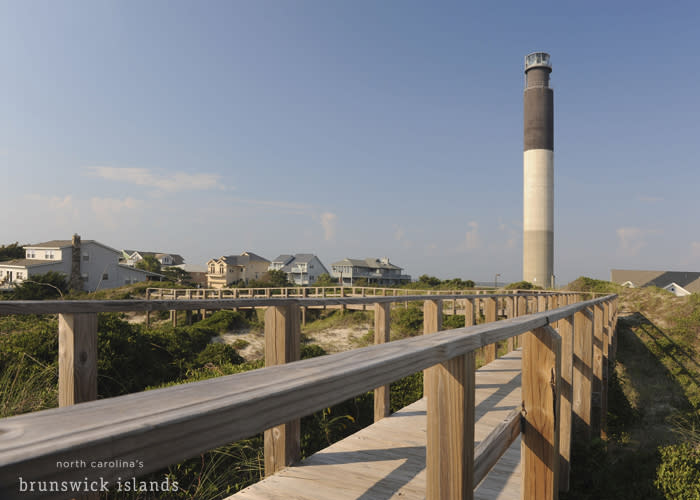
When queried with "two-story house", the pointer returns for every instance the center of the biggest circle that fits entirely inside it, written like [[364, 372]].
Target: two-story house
[[375, 271], [88, 265], [302, 269], [132, 257], [231, 269]]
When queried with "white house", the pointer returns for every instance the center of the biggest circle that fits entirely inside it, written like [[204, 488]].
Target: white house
[[132, 257], [87, 264], [302, 268], [680, 283], [377, 271]]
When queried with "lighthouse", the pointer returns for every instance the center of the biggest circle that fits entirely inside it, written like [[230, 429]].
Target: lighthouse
[[538, 172]]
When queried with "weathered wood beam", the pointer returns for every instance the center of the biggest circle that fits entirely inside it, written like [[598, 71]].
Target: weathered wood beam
[[540, 390], [382, 333], [77, 358], [282, 345]]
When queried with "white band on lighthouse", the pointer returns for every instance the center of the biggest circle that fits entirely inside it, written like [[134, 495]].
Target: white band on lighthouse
[[538, 192]]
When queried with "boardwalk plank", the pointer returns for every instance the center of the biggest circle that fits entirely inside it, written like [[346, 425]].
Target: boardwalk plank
[[387, 459]]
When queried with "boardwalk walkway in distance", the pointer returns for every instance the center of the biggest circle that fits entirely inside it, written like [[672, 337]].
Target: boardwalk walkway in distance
[[387, 459]]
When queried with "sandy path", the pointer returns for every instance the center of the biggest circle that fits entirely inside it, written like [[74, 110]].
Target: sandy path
[[332, 340]]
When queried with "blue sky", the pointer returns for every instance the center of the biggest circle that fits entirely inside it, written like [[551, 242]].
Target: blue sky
[[351, 129]]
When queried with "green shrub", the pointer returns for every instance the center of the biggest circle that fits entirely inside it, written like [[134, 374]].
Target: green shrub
[[312, 351], [452, 321], [522, 285], [407, 321], [678, 475], [219, 354]]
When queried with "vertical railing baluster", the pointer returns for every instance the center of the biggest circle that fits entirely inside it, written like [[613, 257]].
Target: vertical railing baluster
[[77, 358], [382, 333], [282, 345], [540, 392]]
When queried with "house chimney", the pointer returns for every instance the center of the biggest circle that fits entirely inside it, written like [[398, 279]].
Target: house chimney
[[75, 281]]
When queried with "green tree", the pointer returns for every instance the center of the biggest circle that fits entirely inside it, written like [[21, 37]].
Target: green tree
[[523, 285], [11, 251], [428, 280], [51, 285], [149, 263], [325, 280], [177, 275]]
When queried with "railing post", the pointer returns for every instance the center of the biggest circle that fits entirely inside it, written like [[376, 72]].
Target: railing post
[[566, 331], [382, 322], [148, 313], [540, 390], [77, 358], [282, 345], [583, 372], [541, 302], [521, 310], [469, 312], [606, 371], [597, 388], [490, 316], [510, 313], [449, 390]]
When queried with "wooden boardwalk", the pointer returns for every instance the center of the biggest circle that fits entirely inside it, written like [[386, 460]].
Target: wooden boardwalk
[[387, 459]]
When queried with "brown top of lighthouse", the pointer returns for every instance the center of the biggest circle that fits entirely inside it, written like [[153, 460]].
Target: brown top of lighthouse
[[538, 103]]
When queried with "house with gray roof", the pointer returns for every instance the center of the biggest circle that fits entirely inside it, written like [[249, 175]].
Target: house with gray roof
[[132, 257], [87, 264], [375, 271], [231, 269], [678, 282], [302, 269]]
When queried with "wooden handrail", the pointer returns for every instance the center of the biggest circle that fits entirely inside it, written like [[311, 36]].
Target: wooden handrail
[[164, 426], [130, 305]]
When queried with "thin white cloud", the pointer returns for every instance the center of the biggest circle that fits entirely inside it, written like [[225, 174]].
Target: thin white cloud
[[114, 205], [328, 221], [472, 239], [630, 240], [287, 205], [650, 199], [170, 182], [399, 233]]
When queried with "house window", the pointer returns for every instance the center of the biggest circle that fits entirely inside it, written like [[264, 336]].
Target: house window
[[221, 269], [49, 254], [20, 276], [105, 276], [86, 257], [212, 269], [31, 254]]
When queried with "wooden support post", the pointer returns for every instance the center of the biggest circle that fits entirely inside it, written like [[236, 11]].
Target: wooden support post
[[148, 313], [449, 390], [173, 317], [490, 316], [521, 310], [597, 387], [583, 373], [282, 345], [541, 303], [541, 389], [188, 315], [469, 312], [77, 358], [566, 331], [510, 313], [606, 372], [432, 323], [382, 322]]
